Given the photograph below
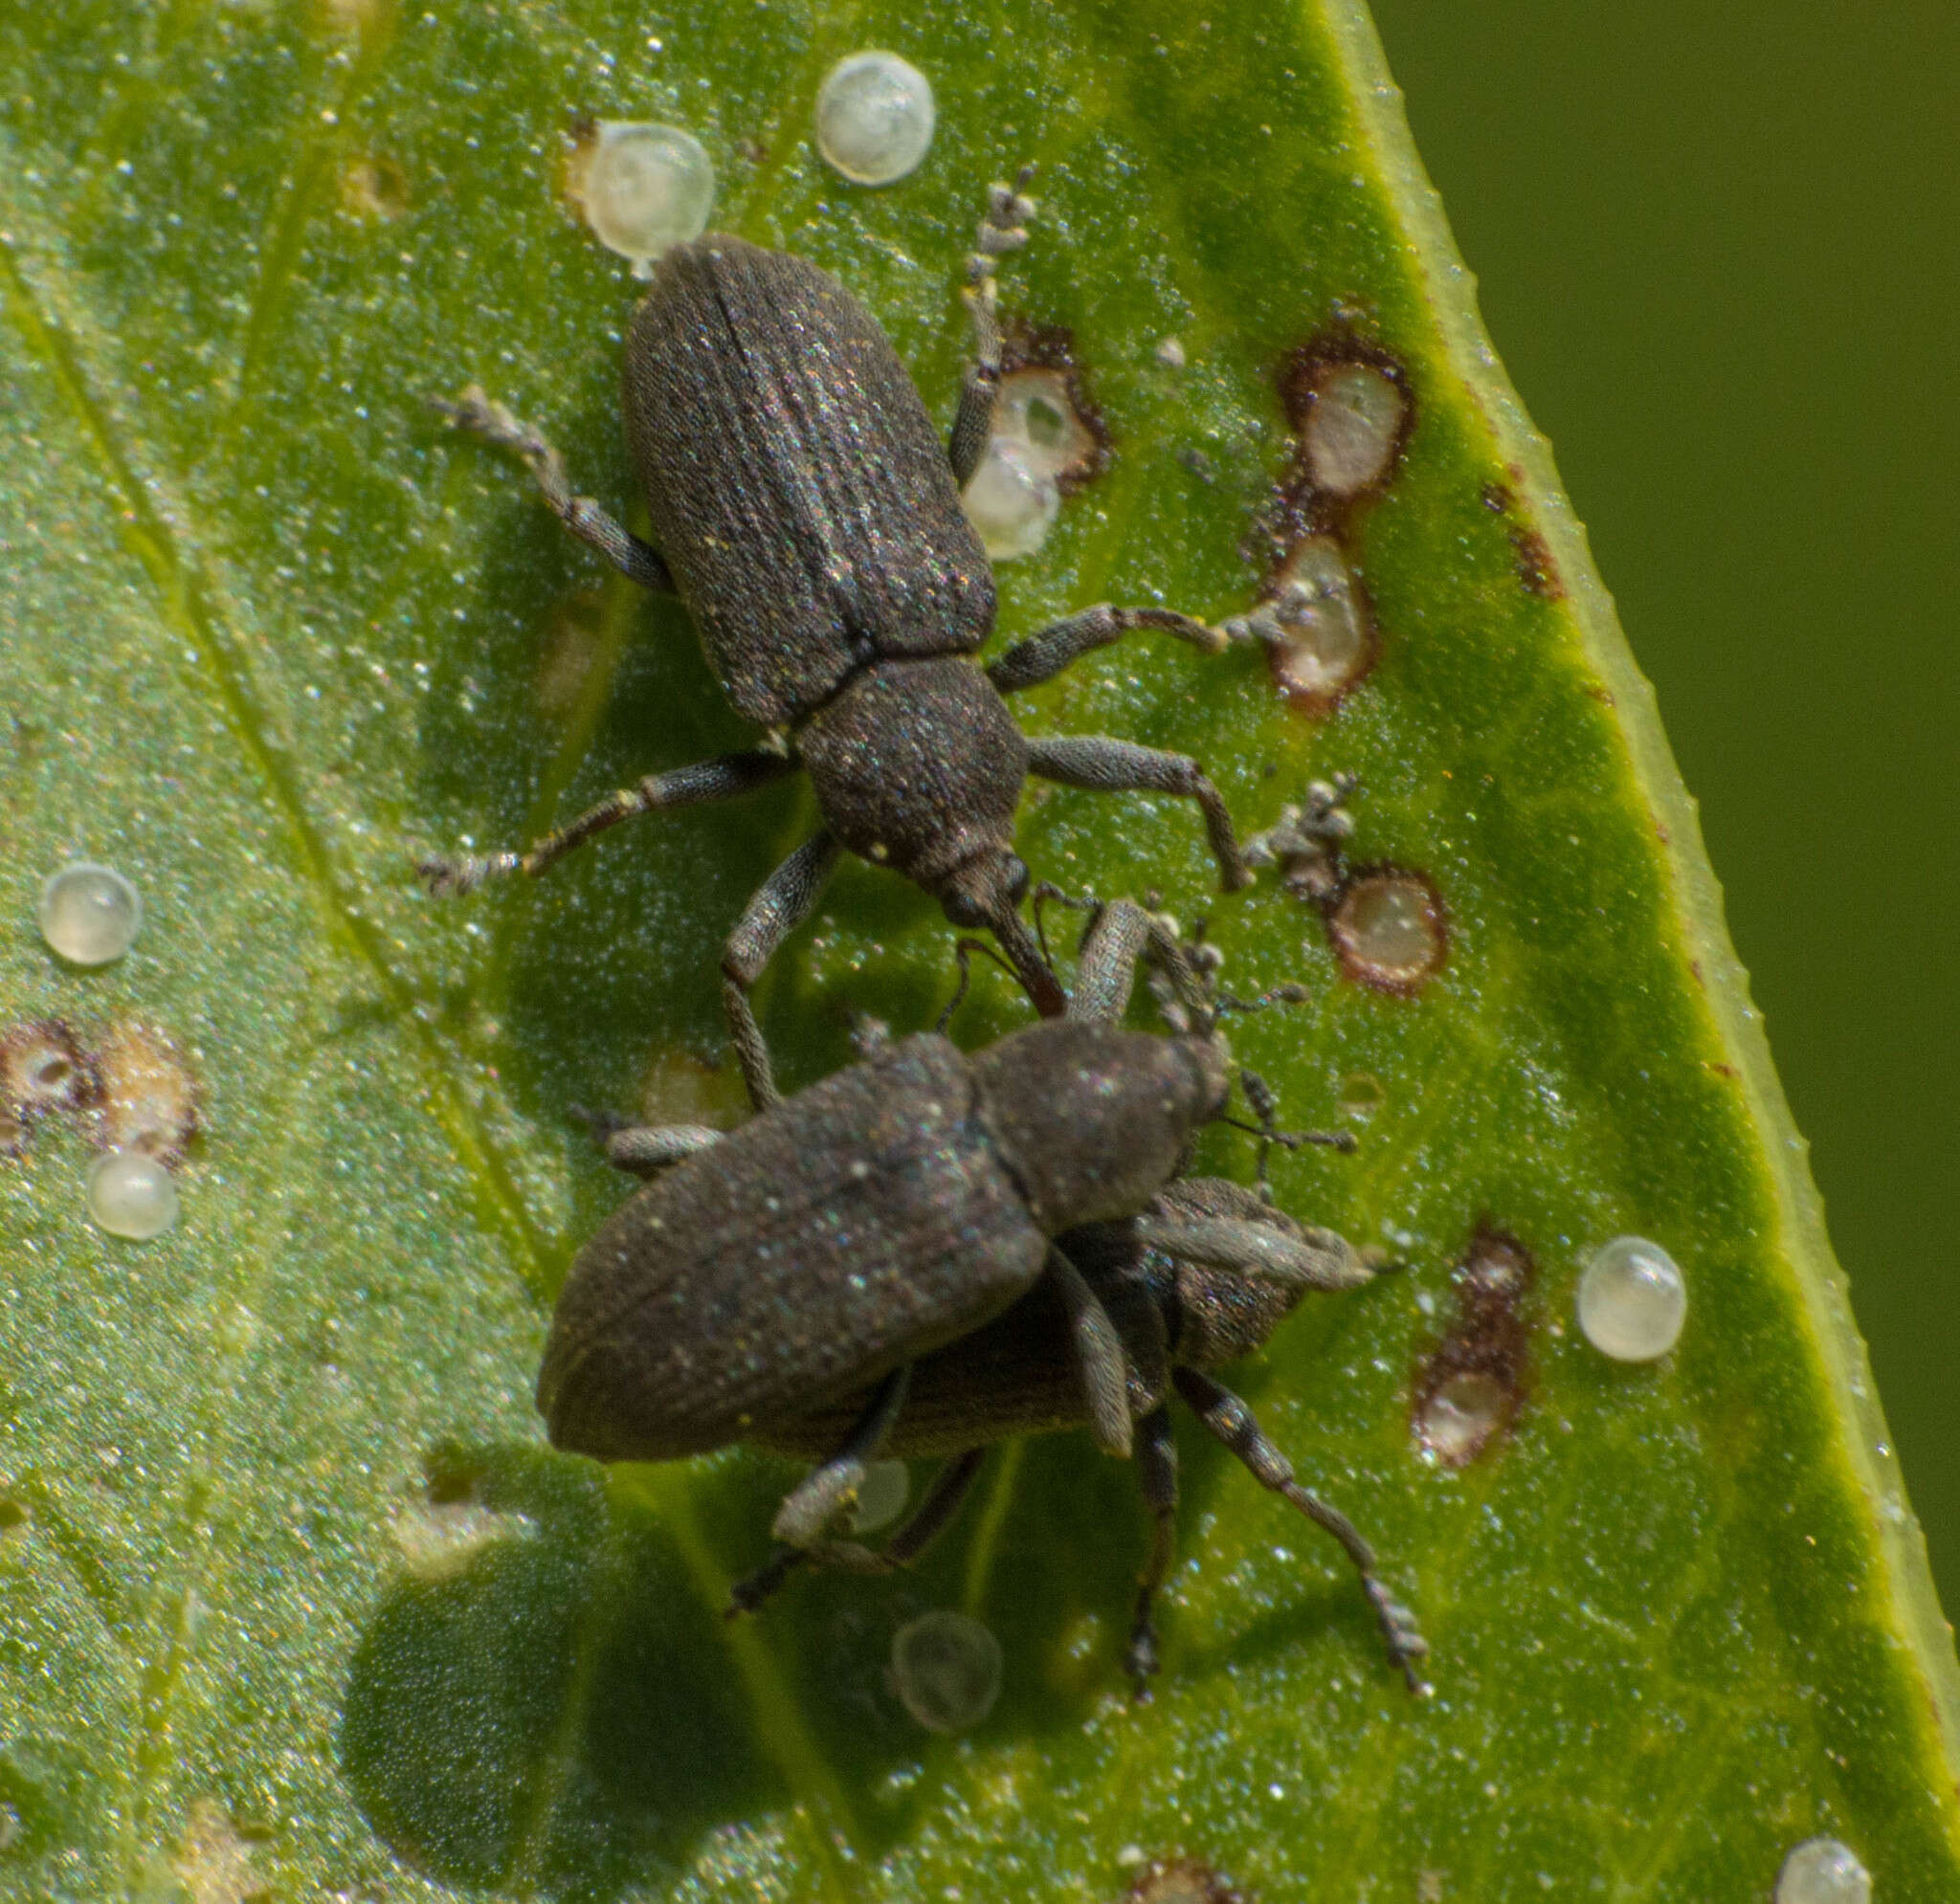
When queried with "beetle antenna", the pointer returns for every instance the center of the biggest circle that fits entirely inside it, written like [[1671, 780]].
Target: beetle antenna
[[1264, 1104], [962, 955], [1048, 893]]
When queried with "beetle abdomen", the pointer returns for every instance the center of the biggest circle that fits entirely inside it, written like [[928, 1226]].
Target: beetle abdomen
[[799, 490], [862, 1223]]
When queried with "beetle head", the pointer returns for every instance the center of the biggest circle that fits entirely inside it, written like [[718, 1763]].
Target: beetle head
[[987, 890]]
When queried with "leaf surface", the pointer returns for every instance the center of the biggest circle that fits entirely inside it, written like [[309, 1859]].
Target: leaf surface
[[295, 1594]]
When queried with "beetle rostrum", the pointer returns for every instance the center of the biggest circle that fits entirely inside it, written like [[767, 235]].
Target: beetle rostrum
[[807, 514], [929, 1252]]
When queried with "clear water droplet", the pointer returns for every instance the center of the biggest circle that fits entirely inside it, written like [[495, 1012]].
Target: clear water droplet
[[1824, 1871], [1633, 1301], [947, 1668], [131, 1195], [89, 914], [644, 188], [873, 118]]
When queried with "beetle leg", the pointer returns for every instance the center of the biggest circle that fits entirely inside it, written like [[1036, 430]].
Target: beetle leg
[[1100, 1356], [1121, 766], [718, 779], [821, 1495], [1121, 933], [928, 1520], [1157, 1472], [1003, 229], [826, 1490], [782, 903], [1313, 1259], [637, 560], [645, 1150], [1048, 650], [1234, 1425]]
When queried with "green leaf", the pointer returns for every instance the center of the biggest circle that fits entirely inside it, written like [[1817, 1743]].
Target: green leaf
[[295, 1596]]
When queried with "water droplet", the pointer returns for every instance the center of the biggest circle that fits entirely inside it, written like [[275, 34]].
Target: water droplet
[[1387, 929], [643, 188], [882, 1498], [1633, 1301], [1353, 428], [1011, 503], [947, 1668], [1822, 1871], [873, 118], [89, 914], [131, 1195]]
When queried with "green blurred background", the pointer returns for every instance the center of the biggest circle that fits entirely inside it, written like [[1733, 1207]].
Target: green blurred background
[[1717, 250]]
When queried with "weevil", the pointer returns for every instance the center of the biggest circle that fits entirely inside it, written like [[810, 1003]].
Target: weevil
[[929, 1252], [806, 513]]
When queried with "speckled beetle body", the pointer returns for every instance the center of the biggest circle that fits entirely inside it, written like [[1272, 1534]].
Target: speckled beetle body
[[808, 514], [928, 1252]]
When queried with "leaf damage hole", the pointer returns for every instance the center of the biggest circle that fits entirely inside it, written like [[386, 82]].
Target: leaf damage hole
[[1537, 569], [1181, 1880], [1390, 929], [373, 190], [1469, 1387], [1047, 440], [1351, 410], [440, 1533], [44, 1070], [214, 1860], [149, 1096], [1316, 624]]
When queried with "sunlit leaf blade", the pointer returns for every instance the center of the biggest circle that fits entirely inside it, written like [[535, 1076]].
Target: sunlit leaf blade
[[295, 1596]]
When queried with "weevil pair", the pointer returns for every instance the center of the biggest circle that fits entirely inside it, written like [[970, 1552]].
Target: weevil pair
[[929, 1251]]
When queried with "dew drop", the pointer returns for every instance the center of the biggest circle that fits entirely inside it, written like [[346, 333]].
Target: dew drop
[[1353, 428], [1824, 1871], [89, 914], [1633, 1301], [131, 1195], [947, 1668], [873, 118], [1011, 504], [643, 188], [882, 1498]]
